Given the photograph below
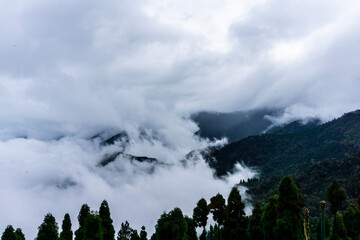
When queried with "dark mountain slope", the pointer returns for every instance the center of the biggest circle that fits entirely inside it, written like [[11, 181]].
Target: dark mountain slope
[[234, 125], [282, 154]]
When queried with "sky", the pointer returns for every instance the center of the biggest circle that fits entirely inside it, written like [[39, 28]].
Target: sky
[[72, 69]]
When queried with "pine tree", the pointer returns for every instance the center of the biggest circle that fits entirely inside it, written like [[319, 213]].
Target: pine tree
[[143, 233], [9, 233], [269, 218], [66, 232], [236, 222], [289, 224], [93, 230], [171, 226], [200, 213], [48, 230], [218, 208], [19, 234], [107, 222], [352, 222], [338, 231], [255, 228], [125, 231], [83, 214]]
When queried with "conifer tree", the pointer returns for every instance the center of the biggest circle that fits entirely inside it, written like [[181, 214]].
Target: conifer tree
[[289, 224], [143, 233], [352, 222], [125, 231], [335, 195], [236, 222], [19, 234], [255, 228], [83, 214], [191, 229], [200, 216], [134, 235], [9, 233], [338, 231], [48, 230], [171, 225], [93, 230], [269, 218], [66, 232], [107, 222], [218, 208]]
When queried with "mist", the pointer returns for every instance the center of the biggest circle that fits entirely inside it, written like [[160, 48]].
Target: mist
[[70, 71]]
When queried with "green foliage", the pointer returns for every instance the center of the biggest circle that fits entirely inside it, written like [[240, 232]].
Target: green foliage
[[66, 233], [269, 218], [48, 230], [352, 222], [9, 233], [335, 195], [134, 235], [338, 231], [143, 233], [200, 213], [107, 222], [255, 228], [318, 228], [191, 229], [125, 231], [83, 214], [19, 234], [218, 209], [171, 226], [289, 223], [236, 222], [93, 230]]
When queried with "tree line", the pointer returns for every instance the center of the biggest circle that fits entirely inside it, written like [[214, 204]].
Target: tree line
[[284, 216]]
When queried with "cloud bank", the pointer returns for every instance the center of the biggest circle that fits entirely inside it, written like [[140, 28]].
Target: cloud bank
[[71, 70]]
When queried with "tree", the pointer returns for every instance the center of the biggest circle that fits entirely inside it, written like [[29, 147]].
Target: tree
[[134, 235], [218, 208], [335, 195], [352, 222], [191, 229], [171, 226], [107, 222], [269, 218], [9, 233], [83, 214], [93, 230], [19, 234], [66, 232], [338, 231], [289, 224], [143, 233], [255, 228], [125, 231], [236, 222], [200, 216], [48, 230]]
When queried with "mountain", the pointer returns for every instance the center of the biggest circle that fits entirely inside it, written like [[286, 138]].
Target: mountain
[[280, 154], [234, 125]]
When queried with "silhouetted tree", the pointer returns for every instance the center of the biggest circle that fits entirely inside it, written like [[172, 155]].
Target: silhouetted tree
[[93, 230], [289, 224], [236, 222], [255, 228], [191, 229], [48, 230], [66, 232], [269, 218], [9, 233], [83, 214], [218, 208], [200, 216], [134, 235], [107, 222], [143, 233], [125, 231], [19, 234], [171, 226]]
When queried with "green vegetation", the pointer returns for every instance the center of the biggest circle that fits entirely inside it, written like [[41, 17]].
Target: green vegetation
[[282, 217]]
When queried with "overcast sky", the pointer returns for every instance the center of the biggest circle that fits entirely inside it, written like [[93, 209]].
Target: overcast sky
[[72, 69]]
